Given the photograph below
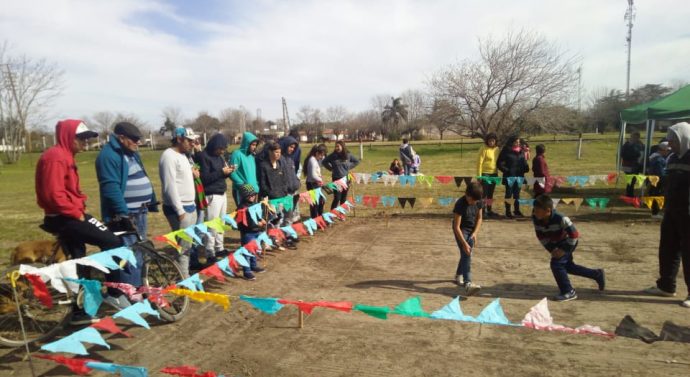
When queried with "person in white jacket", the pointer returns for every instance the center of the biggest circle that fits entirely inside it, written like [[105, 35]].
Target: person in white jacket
[[177, 175]]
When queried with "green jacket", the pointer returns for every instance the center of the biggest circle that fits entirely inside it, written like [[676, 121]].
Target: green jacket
[[245, 171]]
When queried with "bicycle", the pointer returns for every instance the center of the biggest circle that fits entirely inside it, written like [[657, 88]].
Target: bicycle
[[41, 322]]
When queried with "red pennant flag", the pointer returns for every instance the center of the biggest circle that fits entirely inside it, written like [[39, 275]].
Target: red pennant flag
[[343, 306], [213, 271], [40, 290], [241, 216], [252, 247], [300, 229], [169, 242], [444, 179], [277, 234], [304, 307], [77, 366], [633, 201], [186, 371], [338, 215], [232, 263], [320, 222], [109, 325], [611, 178]]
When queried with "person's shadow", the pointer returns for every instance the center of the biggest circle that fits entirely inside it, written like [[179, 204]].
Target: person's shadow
[[517, 291]]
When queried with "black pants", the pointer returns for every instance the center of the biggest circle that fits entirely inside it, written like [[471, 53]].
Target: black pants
[[339, 197], [488, 189], [674, 248], [316, 209], [75, 234]]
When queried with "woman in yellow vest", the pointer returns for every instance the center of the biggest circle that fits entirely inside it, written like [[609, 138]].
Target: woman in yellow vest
[[486, 166]]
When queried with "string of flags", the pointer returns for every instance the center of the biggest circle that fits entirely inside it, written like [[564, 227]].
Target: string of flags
[[547, 182], [388, 201]]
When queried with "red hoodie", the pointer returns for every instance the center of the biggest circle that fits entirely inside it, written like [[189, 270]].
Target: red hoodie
[[57, 179]]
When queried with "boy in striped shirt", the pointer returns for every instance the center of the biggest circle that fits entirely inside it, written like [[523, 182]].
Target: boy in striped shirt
[[558, 235]]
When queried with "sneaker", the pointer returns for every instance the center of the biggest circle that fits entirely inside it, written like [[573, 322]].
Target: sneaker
[[601, 280], [509, 215], [686, 303], [572, 295], [118, 303], [471, 288], [258, 270], [81, 318], [658, 216], [249, 276], [518, 214], [458, 281], [659, 292]]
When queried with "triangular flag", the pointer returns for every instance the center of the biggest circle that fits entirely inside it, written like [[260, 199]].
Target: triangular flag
[[40, 290], [109, 325], [458, 181], [77, 366], [267, 305], [444, 179], [452, 311], [133, 313], [380, 312], [213, 271], [73, 342], [412, 307], [493, 314]]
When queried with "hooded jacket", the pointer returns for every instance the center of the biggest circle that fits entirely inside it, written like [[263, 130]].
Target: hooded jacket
[[112, 170], [245, 171], [276, 183], [338, 167], [284, 143], [511, 163], [211, 166], [678, 172], [57, 179]]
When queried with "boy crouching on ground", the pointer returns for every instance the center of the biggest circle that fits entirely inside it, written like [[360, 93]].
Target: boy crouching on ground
[[559, 236]]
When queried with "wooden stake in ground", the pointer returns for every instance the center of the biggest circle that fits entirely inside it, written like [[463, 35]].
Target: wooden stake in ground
[[301, 318], [14, 275]]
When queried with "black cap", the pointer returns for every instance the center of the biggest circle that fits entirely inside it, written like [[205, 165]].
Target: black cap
[[128, 130]]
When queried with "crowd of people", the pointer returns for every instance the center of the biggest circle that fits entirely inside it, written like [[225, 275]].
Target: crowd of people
[[194, 185]]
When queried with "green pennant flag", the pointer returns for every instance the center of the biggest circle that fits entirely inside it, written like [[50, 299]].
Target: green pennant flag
[[380, 312], [216, 224], [182, 235], [412, 307], [286, 201]]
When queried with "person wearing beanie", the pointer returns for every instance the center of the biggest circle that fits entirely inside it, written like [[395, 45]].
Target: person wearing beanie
[[59, 194], [214, 170], [674, 244], [126, 194], [250, 231]]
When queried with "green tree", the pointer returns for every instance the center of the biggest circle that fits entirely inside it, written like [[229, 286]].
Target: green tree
[[392, 116]]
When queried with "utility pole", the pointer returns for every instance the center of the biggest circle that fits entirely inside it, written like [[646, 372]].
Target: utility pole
[[579, 89], [629, 17], [286, 117]]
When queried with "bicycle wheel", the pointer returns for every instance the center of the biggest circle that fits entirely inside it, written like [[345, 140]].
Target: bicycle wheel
[[162, 271], [40, 322]]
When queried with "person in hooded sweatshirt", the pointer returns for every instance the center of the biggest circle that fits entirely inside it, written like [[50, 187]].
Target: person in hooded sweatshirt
[[244, 163], [289, 149], [59, 194], [213, 171], [674, 244], [512, 163]]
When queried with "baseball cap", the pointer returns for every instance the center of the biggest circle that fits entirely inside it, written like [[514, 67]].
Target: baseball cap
[[185, 132], [83, 132], [128, 130]]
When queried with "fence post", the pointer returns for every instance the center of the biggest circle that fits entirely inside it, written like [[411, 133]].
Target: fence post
[[579, 146]]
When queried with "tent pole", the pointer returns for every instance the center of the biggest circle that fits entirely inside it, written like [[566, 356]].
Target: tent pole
[[621, 138]]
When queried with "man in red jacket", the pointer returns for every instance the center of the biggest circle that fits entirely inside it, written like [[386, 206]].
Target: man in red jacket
[[59, 194]]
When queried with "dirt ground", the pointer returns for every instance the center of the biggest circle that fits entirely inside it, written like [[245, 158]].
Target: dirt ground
[[376, 261]]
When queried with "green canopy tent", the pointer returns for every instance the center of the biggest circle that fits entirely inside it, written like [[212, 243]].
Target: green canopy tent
[[673, 106]]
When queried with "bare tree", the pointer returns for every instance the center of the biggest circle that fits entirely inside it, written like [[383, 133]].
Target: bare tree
[[337, 118], [514, 76], [311, 122], [365, 124], [445, 117], [103, 121], [418, 108], [205, 123], [27, 88]]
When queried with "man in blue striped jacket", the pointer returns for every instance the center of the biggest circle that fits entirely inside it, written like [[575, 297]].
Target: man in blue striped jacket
[[558, 235]]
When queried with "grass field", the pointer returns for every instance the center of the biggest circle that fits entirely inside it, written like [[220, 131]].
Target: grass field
[[21, 215]]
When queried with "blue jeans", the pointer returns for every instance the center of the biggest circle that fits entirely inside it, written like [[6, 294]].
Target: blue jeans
[[565, 265], [245, 238], [406, 169], [464, 266], [130, 274], [513, 192]]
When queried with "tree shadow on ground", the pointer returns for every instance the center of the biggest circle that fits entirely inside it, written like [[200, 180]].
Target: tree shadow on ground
[[517, 291]]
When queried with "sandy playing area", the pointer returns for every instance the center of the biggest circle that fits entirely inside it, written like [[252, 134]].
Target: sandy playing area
[[377, 262]]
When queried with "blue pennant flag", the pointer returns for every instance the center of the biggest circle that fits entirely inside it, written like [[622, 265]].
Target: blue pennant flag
[[572, 180], [341, 210], [203, 228], [133, 313], [452, 311], [319, 193], [191, 231], [73, 343], [388, 201], [193, 283], [124, 370], [493, 314], [263, 237], [583, 180], [224, 265], [358, 199], [230, 221], [239, 257], [92, 294], [310, 226], [289, 230], [445, 201], [256, 212], [527, 202], [328, 217], [511, 181], [267, 305], [105, 258]]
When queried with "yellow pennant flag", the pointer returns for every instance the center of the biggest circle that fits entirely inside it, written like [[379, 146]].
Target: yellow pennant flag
[[425, 202], [653, 179], [567, 200], [649, 200], [215, 298], [659, 201], [578, 203]]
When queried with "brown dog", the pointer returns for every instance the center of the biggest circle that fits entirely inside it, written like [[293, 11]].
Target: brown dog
[[45, 252]]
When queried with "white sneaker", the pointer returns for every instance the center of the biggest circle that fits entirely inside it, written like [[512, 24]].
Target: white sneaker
[[458, 280], [686, 303], [658, 216], [658, 292], [471, 288]]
